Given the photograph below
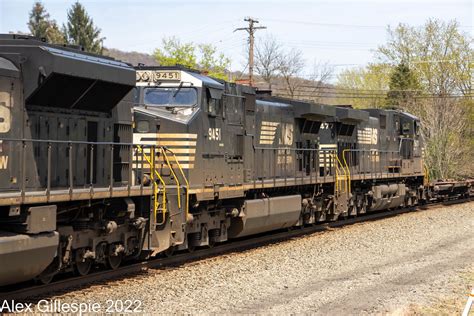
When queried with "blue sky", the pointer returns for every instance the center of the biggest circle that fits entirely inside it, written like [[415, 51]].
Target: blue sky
[[342, 33]]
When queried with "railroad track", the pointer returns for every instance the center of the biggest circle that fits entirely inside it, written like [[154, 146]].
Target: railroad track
[[33, 293]]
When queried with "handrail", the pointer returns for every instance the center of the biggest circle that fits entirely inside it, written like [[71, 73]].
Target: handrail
[[153, 171], [338, 172], [336, 180], [344, 177], [54, 141], [347, 168], [185, 180], [174, 175]]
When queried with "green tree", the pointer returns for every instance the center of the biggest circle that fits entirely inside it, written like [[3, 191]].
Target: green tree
[[38, 22], [364, 87], [212, 63], [203, 57], [403, 86], [174, 52], [438, 54], [80, 30], [441, 57], [54, 34], [41, 26]]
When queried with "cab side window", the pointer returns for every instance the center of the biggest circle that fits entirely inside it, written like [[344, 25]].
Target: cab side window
[[214, 102], [214, 107], [406, 128]]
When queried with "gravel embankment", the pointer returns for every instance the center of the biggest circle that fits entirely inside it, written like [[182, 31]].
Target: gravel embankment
[[375, 267]]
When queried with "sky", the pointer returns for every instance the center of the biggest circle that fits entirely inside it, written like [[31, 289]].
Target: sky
[[343, 34]]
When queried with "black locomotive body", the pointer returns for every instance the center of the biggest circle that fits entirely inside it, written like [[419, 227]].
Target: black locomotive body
[[101, 162], [64, 176], [256, 163]]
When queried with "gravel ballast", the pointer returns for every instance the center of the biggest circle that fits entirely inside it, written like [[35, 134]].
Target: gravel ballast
[[373, 267]]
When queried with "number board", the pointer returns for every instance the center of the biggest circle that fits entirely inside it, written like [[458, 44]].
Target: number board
[[157, 75]]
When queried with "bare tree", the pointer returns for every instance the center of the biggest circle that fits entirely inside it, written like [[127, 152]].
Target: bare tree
[[446, 149], [268, 56], [291, 65], [322, 73]]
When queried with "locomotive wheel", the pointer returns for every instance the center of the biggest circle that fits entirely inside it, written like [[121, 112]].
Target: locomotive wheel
[[113, 259], [44, 279], [169, 252], [191, 248], [81, 266], [114, 262], [212, 243]]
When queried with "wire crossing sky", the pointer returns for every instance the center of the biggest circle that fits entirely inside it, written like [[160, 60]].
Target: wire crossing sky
[[343, 33]]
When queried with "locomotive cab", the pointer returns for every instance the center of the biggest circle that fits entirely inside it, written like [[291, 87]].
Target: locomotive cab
[[170, 106]]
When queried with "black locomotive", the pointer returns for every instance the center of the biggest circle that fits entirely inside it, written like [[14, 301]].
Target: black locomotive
[[101, 162]]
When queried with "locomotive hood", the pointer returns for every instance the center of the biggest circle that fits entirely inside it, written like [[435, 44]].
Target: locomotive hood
[[62, 77]]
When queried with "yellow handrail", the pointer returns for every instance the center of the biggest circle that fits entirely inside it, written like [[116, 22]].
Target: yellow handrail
[[154, 172], [336, 169], [344, 172], [174, 175], [338, 172], [347, 168], [185, 180]]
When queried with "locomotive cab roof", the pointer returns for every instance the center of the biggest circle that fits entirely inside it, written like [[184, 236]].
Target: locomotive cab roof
[[172, 75], [378, 112]]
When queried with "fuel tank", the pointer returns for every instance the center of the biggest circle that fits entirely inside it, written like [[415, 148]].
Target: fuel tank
[[267, 214]]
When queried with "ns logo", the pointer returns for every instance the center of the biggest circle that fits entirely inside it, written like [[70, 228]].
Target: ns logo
[[5, 125]]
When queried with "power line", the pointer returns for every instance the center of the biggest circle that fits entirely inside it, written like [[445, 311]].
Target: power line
[[357, 94], [299, 94], [343, 24], [369, 92]]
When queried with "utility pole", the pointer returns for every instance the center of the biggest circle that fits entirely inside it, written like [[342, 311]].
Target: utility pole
[[251, 30]]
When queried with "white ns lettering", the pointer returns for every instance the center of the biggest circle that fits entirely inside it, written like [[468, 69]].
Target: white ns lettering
[[5, 113], [3, 162]]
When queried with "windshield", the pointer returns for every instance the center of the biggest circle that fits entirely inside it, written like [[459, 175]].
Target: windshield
[[170, 96]]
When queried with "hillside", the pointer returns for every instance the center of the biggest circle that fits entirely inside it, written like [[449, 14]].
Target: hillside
[[305, 89], [133, 58]]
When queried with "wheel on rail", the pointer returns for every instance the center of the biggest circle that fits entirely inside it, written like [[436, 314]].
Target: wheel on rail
[[170, 251], [44, 279], [212, 243], [193, 240], [114, 262], [191, 248], [82, 265], [114, 256]]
